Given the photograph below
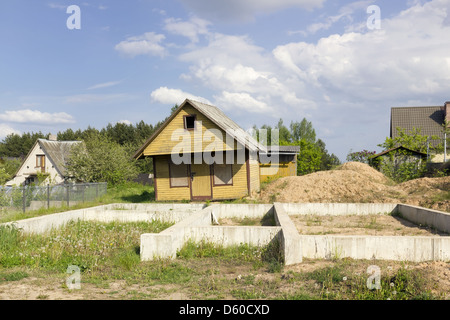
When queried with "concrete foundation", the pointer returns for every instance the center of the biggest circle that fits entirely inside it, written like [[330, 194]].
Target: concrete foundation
[[198, 222]]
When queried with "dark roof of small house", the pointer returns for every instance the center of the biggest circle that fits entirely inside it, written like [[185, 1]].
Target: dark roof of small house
[[283, 149], [58, 152], [396, 148], [428, 119], [217, 117]]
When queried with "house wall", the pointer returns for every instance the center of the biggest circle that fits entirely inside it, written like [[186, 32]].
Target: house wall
[[276, 170], [238, 189], [29, 166], [164, 192], [255, 182], [195, 140]]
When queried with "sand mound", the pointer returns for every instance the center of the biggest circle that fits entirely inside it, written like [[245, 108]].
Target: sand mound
[[358, 183], [365, 170]]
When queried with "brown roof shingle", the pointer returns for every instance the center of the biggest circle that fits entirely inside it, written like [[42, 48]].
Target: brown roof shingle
[[428, 119]]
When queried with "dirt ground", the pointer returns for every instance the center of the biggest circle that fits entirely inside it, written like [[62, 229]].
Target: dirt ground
[[372, 225], [52, 287], [356, 182]]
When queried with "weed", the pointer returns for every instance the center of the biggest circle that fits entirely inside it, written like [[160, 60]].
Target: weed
[[13, 276]]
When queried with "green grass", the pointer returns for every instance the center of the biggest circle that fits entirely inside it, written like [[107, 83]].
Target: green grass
[[125, 193]]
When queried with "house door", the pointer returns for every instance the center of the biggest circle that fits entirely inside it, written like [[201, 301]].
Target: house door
[[200, 182]]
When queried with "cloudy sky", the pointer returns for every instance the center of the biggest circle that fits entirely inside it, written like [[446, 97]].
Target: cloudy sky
[[332, 62]]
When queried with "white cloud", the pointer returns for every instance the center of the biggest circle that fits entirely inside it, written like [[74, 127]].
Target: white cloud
[[345, 14], [146, 44], [127, 122], [236, 67], [174, 96], [57, 6], [36, 116], [6, 130], [243, 11], [190, 29], [104, 85], [408, 57], [230, 100]]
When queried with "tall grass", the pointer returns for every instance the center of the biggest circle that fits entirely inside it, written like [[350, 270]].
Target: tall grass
[[88, 245]]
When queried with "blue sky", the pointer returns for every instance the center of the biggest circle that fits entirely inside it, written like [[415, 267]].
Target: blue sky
[[257, 60]]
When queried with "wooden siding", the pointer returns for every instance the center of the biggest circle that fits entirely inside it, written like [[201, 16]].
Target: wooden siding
[[163, 190], [239, 187], [277, 170], [255, 183], [193, 141]]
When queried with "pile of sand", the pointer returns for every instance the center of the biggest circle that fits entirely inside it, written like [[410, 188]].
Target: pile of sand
[[356, 182]]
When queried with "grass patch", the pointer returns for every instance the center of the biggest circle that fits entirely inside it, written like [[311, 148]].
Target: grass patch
[[12, 276], [129, 192]]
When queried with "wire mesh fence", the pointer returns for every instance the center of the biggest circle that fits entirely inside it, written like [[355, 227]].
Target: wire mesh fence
[[36, 197]]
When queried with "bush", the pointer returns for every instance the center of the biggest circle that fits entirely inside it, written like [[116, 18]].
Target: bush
[[100, 159]]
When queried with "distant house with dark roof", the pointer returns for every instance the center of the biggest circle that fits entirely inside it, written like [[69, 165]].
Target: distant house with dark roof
[[396, 157], [46, 157], [279, 161], [429, 119]]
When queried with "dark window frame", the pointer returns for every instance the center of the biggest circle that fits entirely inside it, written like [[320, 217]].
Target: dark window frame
[[214, 175], [185, 123], [170, 164]]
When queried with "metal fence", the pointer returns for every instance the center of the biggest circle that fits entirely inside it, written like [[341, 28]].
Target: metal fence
[[36, 197]]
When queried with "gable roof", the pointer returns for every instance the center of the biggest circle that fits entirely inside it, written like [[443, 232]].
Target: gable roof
[[428, 119], [58, 152], [397, 148], [217, 117]]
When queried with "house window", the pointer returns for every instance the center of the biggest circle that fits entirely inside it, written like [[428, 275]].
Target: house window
[[189, 122], [178, 174], [223, 174], [40, 162]]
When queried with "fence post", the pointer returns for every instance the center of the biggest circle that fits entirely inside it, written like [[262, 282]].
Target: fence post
[[84, 187], [67, 195], [48, 196], [23, 199]]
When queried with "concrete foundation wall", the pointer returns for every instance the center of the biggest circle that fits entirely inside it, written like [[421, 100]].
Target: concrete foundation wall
[[224, 210], [39, 225], [166, 243], [438, 220], [338, 208], [291, 244], [399, 248], [195, 222], [232, 235]]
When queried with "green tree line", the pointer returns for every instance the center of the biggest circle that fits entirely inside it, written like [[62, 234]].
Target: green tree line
[[313, 153]]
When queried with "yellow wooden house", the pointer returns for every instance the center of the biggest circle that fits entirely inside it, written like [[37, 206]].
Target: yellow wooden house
[[278, 161], [200, 154]]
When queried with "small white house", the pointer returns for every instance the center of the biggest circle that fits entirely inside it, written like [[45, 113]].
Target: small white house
[[48, 157]]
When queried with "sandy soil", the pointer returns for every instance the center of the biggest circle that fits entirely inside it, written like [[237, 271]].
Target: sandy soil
[[357, 182], [375, 225]]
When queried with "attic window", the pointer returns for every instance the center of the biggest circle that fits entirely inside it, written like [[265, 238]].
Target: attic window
[[189, 122]]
